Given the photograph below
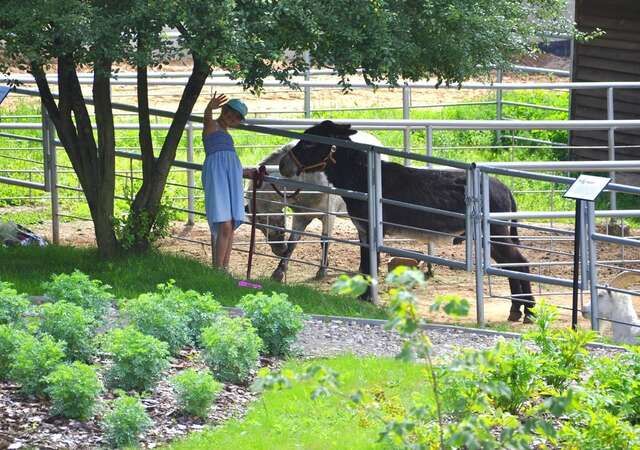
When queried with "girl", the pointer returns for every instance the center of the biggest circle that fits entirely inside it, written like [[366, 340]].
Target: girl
[[222, 176]]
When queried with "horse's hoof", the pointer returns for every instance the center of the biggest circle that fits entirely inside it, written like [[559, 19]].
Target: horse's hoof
[[514, 316], [529, 318], [321, 274], [278, 275]]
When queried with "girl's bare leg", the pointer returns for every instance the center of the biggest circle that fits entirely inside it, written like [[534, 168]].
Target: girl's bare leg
[[227, 256], [223, 245], [213, 249]]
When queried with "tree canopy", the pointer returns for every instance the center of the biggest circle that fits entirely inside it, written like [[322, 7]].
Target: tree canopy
[[390, 40]]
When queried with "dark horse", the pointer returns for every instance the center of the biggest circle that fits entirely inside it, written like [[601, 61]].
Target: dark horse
[[346, 168]]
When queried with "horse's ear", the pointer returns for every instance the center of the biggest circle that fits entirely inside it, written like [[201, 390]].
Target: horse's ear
[[344, 130]]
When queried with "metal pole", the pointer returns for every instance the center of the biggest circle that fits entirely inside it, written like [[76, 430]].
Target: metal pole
[[190, 177], [378, 199], [584, 272], [593, 268], [406, 115], [373, 221], [612, 145], [46, 152], [429, 144], [576, 264], [498, 103], [307, 89], [53, 167], [468, 220], [477, 239]]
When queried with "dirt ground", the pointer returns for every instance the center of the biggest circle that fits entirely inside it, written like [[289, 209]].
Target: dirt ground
[[346, 258]]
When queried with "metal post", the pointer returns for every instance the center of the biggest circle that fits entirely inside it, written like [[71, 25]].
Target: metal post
[[486, 229], [429, 144], [307, 89], [406, 115], [498, 103], [468, 221], [45, 149], [584, 273], [378, 199], [593, 268], [477, 239], [576, 264], [190, 177], [612, 145], [53, 176], [373, 221]]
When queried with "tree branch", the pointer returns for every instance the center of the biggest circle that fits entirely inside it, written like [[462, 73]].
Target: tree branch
[[106, 134]]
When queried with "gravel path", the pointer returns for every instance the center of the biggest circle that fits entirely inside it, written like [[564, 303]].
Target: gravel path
[[326, 337]]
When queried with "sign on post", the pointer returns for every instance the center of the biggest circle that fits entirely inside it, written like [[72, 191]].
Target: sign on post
[[585, 188]]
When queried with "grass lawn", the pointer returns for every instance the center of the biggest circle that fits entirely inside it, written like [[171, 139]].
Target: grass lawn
[[290, 419], [130, 276]]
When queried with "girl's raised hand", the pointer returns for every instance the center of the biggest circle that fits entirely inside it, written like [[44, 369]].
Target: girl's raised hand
[[218, 100]]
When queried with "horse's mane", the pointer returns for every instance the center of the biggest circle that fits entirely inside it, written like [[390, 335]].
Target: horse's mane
[[275, 157]]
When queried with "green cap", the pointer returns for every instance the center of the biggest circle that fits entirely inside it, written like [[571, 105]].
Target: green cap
[[238, 106]]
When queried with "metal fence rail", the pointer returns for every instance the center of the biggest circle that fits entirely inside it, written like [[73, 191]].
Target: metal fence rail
[[477, 215]]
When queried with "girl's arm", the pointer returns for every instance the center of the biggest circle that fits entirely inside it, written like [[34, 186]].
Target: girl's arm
[[210, 125]]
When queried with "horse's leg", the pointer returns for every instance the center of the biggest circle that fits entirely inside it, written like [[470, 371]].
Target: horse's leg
[[299, 223], [328, 220], [520, 289]]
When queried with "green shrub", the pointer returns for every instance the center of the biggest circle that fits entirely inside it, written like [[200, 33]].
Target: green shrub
[[34, 359], [13, 306], [74, 389], [73, 325], [231, 348], [195, 391], [563, 351], [276, 320], [79, 289], [599, 430], [138, 359], [201, 310], [161, 317], [126, 422], [10, 338]]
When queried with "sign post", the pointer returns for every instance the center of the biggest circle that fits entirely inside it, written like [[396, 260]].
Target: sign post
[[585, 188]]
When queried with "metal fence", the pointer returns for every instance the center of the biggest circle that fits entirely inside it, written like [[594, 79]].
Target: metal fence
[[477, 215]]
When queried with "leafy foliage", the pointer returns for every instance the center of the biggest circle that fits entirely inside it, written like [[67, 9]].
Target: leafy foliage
[[138, 359], [196, 391], [74, 389], [13, 306], [71, 324], [34, 359], [10, 338], [159, 316], [391, 40], [275, 319], [126, 421], [79, 289], [199, 310], [230, 348]]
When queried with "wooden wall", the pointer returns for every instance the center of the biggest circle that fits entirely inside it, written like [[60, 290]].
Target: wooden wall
[[612, 57]]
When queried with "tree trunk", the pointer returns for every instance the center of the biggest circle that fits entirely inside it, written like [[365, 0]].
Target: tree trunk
[[93, 164], [146, 205]]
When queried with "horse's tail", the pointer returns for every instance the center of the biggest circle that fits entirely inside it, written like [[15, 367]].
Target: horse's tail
[[513, 229]]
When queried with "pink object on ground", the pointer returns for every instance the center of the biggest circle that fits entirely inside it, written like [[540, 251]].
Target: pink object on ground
[[248, 284]]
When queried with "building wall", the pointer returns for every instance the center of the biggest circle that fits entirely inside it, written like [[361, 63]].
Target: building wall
[[612, 57]]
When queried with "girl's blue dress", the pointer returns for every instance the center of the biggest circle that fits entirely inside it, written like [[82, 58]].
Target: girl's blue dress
[[222, 181]]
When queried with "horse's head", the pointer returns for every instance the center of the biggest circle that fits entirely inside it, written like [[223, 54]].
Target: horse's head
[[307, 156]]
